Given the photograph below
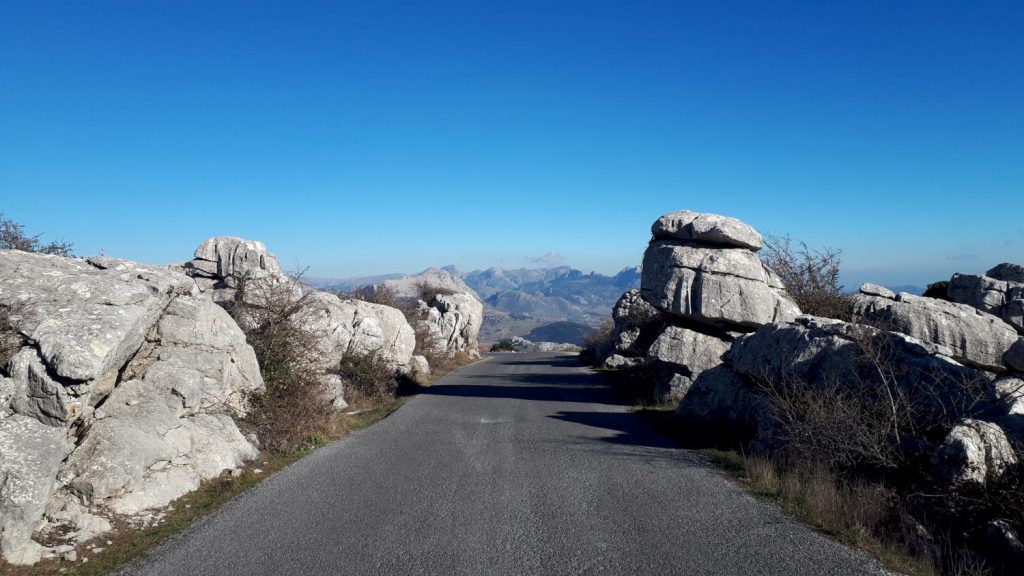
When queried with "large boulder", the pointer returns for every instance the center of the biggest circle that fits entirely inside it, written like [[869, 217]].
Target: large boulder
[[343, 327], [636, 324], [823, 353], [121, 398], [452, 323], [973, 452], [228, 257], [707, 229], [959, 331], [999, 292], [678, 356], [703, 268]]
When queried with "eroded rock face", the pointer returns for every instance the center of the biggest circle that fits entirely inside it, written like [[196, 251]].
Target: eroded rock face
[[728, 288], [127, 366], [999, 292], [959, 331], [453, 323]]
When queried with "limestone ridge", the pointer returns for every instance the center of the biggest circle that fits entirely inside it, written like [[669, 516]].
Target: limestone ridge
[[121, 398]]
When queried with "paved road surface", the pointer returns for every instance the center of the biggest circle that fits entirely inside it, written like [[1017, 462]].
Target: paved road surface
[[522, 464]]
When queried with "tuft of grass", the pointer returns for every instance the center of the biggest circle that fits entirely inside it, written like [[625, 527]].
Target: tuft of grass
[[128, 544]]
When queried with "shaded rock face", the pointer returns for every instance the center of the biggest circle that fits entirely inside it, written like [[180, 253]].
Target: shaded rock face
[[959, 331], [453, 323], [1000, 292], [121, 397], [636, 325], [822, 352]]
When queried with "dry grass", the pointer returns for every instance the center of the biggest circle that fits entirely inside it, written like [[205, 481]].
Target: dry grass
[[128, 544], [866, 516]]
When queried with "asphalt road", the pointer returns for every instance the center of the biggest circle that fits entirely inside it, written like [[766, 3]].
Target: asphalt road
[[522, 464]]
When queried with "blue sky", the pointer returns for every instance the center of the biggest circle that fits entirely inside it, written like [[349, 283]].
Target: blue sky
[[368, 137]]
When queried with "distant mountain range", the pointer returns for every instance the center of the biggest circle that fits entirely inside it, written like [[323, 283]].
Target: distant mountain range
[[520, 300]]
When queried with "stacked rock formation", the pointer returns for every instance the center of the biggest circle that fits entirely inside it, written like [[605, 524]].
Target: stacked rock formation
[[118, 398], [702, 285], [234, 269]]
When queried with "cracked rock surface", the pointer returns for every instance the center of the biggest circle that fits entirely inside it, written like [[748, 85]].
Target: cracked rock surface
[[120, 399]]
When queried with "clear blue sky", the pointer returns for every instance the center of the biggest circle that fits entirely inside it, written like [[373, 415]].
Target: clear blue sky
[[370, 137]]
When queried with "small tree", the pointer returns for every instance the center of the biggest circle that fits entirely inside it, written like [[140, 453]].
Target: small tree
[[811, 276], [13, 237]]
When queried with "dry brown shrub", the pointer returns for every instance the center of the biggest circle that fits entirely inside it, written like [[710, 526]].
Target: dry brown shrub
[[368, 378], [811, 276], [294, 408]]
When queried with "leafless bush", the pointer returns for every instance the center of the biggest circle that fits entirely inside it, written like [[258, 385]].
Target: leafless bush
[[379, 294], [811, 276], [368, 377], [294, 407], [598, 343], [13, 237], [503, 346], [871, 411]]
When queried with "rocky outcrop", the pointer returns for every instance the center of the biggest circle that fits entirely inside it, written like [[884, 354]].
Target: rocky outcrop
[[701, 285], [999, 292], [959, 331], [121, 398], [236, 271], [448, 312], [452, 324], [823, 353], [431, 279]]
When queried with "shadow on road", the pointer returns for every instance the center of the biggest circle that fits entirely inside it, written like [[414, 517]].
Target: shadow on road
[[628, 427]]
